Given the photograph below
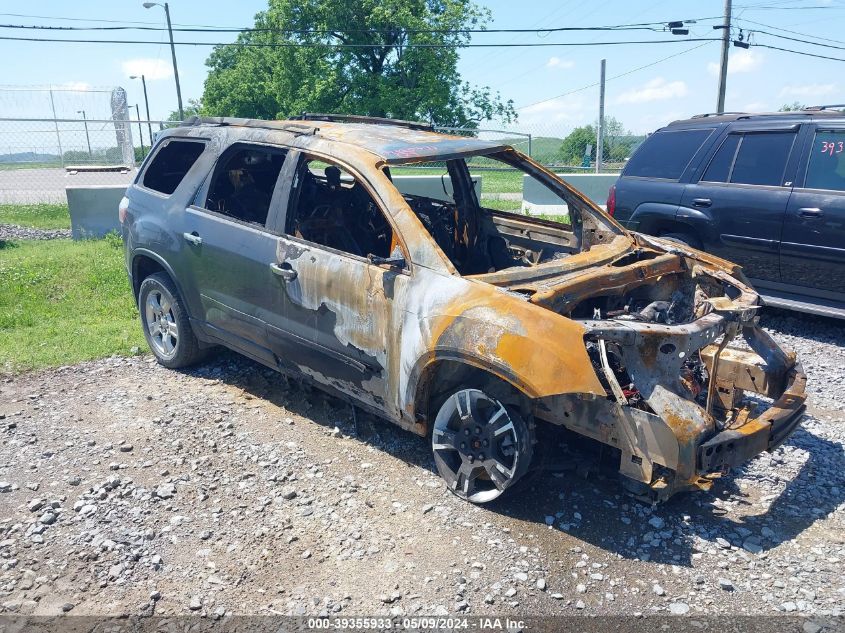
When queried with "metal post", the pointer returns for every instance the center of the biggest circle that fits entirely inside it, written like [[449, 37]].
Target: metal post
[[58, 136], [723, 68], [140, 131], [529, 146], [175, 70], [87, 138], [147, 106], [600, 131]]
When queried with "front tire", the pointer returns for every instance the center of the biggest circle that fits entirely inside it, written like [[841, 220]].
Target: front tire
[[481, 447], [165, 321]]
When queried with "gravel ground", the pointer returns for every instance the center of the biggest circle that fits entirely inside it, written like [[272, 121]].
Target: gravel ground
[[126, 488], [15, 232]]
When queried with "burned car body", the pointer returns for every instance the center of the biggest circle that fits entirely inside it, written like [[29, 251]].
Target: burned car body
[[291, 242]]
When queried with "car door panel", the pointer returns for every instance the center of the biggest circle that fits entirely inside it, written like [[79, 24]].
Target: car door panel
[[813, 247], [230, 259], [338, 316]]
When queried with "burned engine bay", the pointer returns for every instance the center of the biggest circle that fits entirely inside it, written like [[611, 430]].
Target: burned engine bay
[[675, 342]]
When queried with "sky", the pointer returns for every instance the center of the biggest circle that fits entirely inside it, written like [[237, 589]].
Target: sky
[[644, 89]]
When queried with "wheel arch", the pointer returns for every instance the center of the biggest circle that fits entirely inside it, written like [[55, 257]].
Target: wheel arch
[[146, 263], [439, 374]]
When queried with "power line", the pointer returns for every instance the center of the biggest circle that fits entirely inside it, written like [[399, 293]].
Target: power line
[[155, 26], [795, 39], [372, 45], [777, 28], [789, 50], [658, 27], [627, 72]]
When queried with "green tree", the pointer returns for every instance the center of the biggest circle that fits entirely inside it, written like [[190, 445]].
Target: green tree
[[575, 144], [795, 106], [376, 73], [618, 142], [194, 108]]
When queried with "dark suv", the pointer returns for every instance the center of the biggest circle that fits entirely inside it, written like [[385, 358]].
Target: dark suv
[[766, 191], [297, 244]]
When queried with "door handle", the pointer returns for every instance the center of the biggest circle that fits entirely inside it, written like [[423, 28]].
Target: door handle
[[193, 238], [810, 212], [701, 202], [284, 271]]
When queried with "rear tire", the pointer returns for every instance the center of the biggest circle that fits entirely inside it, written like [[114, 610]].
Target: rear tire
[[684, 238], [165, 321], [481, 447]]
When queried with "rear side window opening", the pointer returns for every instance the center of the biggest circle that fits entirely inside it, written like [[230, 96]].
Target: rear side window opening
[[757, 158], [170, 164], [666, 154]]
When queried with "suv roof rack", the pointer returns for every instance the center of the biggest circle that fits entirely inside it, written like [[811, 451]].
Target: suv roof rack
[[356, 118], [294, 128], [708, 114], [833, 106]]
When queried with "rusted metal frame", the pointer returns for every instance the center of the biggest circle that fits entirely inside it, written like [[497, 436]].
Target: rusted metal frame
[[563, 294], [730, 333], [764, 433], [609, 375]]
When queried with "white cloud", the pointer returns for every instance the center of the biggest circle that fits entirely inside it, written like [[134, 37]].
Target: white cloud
[[557, 62], [560, 111], [807, 90], [75, 85], [658, 89], [152, 69], [742, 61]]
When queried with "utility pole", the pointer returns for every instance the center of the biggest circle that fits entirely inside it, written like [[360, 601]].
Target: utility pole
[[600, 131], [723, 68], [166, 7]]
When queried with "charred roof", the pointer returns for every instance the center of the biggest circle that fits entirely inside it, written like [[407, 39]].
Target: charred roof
[[393, 140]]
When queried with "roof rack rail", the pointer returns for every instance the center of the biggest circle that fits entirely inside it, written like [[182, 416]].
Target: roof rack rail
[[294, 128], [833, 106], [356, 118], [709, 114]]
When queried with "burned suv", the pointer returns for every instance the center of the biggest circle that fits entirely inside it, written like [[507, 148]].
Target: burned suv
[[314, 247]]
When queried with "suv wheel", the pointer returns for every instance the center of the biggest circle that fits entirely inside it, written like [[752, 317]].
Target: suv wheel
[[165, 321], [481, 448]]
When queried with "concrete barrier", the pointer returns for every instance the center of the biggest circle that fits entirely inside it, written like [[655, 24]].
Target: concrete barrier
[[538, 200], [437, 187], [93, 209]]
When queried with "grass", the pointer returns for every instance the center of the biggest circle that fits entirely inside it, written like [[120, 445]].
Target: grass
[[38, 216], [62, 302]]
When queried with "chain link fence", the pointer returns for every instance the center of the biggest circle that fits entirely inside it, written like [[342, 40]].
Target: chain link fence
[[40, 156]]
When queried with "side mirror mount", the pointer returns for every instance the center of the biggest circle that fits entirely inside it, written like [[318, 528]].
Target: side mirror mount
[[394, 261]]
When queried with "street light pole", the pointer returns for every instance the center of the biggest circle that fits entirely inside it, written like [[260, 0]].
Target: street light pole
[[87, 138], [146, 105], [149, 5]]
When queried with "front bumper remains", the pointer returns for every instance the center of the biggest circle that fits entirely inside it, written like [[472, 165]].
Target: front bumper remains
[[723, 432]]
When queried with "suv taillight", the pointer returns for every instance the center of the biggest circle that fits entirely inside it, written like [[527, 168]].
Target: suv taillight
[[122, 208], [611, 200]]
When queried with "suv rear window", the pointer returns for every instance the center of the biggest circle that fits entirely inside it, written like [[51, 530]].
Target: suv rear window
[[666, 154], [170, 164], [761, 158], [827, 161]]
